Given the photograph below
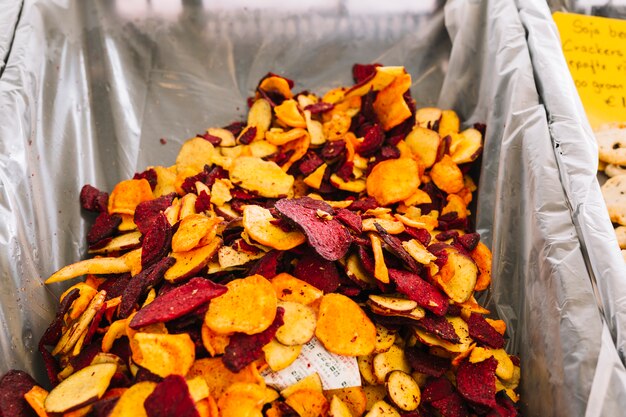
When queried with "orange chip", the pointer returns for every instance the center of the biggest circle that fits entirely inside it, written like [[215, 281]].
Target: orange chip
[[424, 143], [455, 204], [449, 123], [165, 181], [482, 256], [308, 403], [353, 397], [290, 288], [393, 180], [337, 126], [279, 137], [249, 306], [353, 335], [131, 401], [299, 147], [279, 85], [191, 230], [499, 325], [190, 262], [164, 354], [128, 194], [214, 343], [218, 377], [35, 398], [390, 106], [381, 272], [447, 176], [257, 222], [315, 178], [288, 113]]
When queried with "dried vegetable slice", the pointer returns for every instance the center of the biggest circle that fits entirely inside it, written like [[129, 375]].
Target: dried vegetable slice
[[343, 216]]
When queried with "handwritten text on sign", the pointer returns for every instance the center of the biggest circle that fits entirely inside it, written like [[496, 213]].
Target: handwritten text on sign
[[595, 50]]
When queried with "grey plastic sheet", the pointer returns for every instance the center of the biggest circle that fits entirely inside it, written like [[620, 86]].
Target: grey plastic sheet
[[91, 88]]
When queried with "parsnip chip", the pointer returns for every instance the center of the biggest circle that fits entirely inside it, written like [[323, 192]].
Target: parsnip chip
[[128, 194], [263, 177], [427, 117], [93, 266], [299, 324], [353, 398], [353, 335], [393, 180], [229, 257], [424, 143], [458, 276], [260, 117], [257, 222], [290, 288], [249, 306], [279, 356], [193, 155], [164, 354], [219, 378]]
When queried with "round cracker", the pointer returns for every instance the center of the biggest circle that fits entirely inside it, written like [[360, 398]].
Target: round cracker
[[613, 170], [612, 144], [614, 192], [620, 233]]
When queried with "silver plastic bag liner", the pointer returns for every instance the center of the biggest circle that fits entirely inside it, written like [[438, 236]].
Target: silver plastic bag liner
[[9, 13], [90, 88]]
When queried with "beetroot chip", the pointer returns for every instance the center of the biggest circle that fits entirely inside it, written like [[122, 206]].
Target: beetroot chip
[[396, 247], [363, 72], [318, 272], [333, 150], [440, 327], [95, 323], [53, 333], [504, 408], [115, 285], [149, 175], [350, 219], [146, 212], [203, 202], [207, 177], [345, 170], [104, 227], [481, 331], [451, 406], [373, 139], [437, 389], [426, 363], [388, 152], [104, 407], [51, 365], [319, 107], [177, 302], [92, 199], [243, 349], [449, 234], [157, 241], [85, 357], [267, 266], [248, 136], [420, 291], [171, 398], [469, 241], [141, 283], [328, 237], [421, 235], [476, 382], [363, 205], [213, 140], [13, 385]]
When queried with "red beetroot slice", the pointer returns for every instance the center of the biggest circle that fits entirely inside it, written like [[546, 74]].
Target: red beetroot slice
[[440, 327], [437, 389], [149, 175], [451, 406], [146, 212], [318, 272], [104, 227], [207, 177], [388, 152], [92, 199], [319, 107], [420, 291], [213, 140], [104, 406], [235, 127], [115, 285], [53, 333], [248, 136], [13, 385], [504, 408], [363, 205], [345, 170], [243, 349], [396, 247], [361, 72], [85, 357], [481, 331], [350, 219], [171, 398], [157, 241], [177, 302], [267, 266], [421, 235], [373, 139], [333, 150], [469, 241], [426, 363], [329, 238], [51, 365], [476, 382], [95, 323], [141, 283], [203, 202]]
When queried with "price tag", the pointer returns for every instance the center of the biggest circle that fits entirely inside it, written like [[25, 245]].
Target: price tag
[[595, 50]]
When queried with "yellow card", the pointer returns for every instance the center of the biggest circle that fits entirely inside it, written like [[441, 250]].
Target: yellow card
[[595, 50]]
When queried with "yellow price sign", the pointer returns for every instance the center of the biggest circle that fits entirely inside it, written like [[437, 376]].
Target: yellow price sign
[[595, 50]]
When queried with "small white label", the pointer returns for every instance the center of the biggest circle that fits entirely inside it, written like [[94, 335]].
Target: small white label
[[336, 371]]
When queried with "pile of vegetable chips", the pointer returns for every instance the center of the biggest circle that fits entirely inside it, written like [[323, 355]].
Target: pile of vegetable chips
[[338, 221]]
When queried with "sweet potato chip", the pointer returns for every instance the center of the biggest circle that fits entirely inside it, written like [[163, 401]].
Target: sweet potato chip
[[263, 177], [218, 377], [289, 114], [390, 106], [457, 277], [353, 335], [482, 256], [127, 195], [257, 221], [290, 288], [308, 403], [353, 398], [381, 272], [447, 176], [393, 180], [132, 400], [249, 306], [327, 236], [164, 354], [242, 399], [191, 230], [191, 262]]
